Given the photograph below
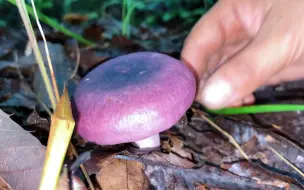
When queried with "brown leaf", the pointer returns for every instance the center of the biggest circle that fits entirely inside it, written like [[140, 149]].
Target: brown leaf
[[169, 159], [201, 187], [75, 18], [123, 42], [94, 32], [90, 59], [63, 69], [177, 147], [35, 119], [169, 176], [105, 160], [246, 169], [123, 174], [64, 183]]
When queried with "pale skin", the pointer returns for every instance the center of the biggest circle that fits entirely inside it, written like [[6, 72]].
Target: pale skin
[[241, 45]]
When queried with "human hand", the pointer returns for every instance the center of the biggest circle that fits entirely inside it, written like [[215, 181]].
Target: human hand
[[240, 45]]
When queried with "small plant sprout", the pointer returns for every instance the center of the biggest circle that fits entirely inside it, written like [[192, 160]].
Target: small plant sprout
[[132, 98]]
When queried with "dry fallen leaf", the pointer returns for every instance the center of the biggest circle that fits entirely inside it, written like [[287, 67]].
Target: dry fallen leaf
[[178, 147], [122, 174], [246, 169], [21, 155], [64, 182], [63, 68], [169, 158], [75, 18]]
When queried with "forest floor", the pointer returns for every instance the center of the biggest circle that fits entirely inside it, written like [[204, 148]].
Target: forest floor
[[193, 155]]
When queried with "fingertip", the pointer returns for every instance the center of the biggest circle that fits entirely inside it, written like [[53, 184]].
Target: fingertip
[[250, 99], [216, 94], [235, 104]]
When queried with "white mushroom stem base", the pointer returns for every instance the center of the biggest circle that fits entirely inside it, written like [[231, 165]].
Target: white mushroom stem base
[[150, 142]]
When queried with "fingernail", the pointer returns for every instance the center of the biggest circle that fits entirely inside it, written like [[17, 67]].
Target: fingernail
[[216, 94]]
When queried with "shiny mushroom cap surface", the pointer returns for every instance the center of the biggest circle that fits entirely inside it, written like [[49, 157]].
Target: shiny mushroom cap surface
[[132, 97]]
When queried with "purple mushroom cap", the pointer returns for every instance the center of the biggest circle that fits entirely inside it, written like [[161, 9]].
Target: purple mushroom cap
[[132, 97]]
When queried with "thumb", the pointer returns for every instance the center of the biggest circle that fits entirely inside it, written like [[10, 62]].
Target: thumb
[[250, 68]]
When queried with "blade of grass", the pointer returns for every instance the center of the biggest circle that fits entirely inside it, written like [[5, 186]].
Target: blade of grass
[[226, 134], [56, 25], [34, 44], [128, 8], [258, 109], [47, 53]]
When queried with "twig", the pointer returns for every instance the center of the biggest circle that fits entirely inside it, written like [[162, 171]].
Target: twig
[[47, 53], [286, 161], [230, 138]]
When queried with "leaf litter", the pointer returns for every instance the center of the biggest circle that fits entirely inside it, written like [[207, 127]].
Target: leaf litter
[[21, 155], [193, 155]]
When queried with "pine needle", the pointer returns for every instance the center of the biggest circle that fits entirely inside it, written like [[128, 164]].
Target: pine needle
[[230, 138], [34, 44], [55, 87], [286, 161]]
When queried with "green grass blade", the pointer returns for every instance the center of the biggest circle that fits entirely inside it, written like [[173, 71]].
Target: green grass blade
[[56, 25], [259, 109]]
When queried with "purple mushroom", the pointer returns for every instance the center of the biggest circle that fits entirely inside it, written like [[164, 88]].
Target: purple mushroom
[[132, 98]]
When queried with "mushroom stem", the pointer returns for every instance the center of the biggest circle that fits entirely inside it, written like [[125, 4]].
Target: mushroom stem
[[150, 142]]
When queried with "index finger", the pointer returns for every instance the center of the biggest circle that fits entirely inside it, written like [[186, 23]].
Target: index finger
[[225, 24]]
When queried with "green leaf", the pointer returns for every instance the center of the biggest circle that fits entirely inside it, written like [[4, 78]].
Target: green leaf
[[2, 23], [168, 16], [184, 14]]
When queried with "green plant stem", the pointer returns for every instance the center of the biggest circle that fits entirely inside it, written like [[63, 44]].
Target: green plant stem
[[56, 25], [128, 8], [124, 2], [258, 109]]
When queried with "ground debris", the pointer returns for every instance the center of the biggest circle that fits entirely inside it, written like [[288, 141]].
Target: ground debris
[[121, 174], [163, 175]]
